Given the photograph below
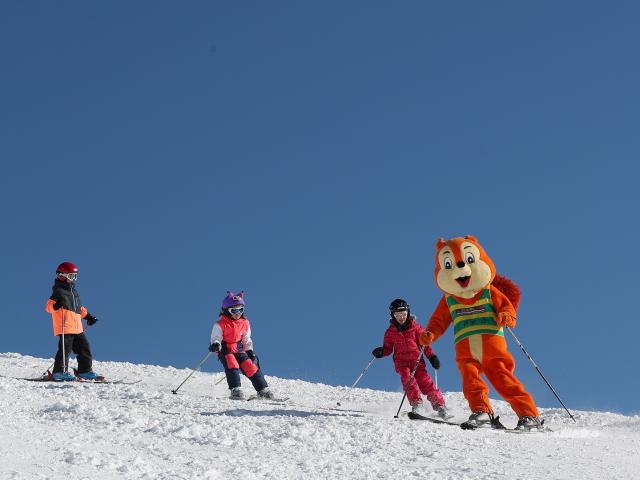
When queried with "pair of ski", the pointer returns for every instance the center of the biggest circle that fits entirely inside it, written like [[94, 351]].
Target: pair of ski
[[470, 426], [275, 401], [99, 379]]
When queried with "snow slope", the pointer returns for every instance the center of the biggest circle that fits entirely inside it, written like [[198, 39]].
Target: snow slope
[[143, 431]]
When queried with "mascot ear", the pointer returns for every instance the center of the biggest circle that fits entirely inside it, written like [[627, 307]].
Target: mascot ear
[[472, 238], [241, 294], [441, 243]]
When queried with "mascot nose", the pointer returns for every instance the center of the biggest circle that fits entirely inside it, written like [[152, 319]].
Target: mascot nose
[[460, 264]]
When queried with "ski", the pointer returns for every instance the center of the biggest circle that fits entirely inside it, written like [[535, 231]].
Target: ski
[[543, 429], [77, 380], [527, 432], [267, 400], [339, 409], [417, 416], [498, 426], [38, 379], [112, 382], [495, 424]]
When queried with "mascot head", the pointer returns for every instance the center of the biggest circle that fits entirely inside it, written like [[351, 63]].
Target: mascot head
[[463, 268]]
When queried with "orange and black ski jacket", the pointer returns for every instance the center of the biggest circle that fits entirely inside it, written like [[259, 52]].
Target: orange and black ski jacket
[[68, 318]]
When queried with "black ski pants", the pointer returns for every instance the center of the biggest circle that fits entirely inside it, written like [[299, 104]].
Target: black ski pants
[[78, 344]]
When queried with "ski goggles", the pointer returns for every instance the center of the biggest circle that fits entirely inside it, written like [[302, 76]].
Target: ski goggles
[[399, 309], [69, 276], [236, 310]]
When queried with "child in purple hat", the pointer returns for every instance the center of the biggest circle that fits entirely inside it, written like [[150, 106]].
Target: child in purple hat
[[231, 341]]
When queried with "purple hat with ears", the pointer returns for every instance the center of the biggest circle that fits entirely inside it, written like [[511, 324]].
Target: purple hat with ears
[[233, 299]]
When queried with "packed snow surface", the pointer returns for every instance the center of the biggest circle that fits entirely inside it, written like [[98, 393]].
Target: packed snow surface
[[143, 431]]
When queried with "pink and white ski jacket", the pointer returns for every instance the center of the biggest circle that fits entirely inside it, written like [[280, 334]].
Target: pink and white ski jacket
[[402, 341], [231, 334]]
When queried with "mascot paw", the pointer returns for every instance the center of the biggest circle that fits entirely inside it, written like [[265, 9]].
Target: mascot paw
[[505, 319], [426, 338]]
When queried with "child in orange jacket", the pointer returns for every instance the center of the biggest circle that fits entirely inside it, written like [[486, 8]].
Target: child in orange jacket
[[67, 314]]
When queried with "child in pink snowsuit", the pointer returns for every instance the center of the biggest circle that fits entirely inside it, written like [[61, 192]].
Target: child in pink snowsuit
[[401, 339]]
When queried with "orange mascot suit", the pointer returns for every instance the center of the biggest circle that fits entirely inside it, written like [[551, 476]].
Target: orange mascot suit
[[479, 304]]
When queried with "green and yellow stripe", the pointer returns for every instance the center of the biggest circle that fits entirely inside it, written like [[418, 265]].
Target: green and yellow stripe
[[474, 319]]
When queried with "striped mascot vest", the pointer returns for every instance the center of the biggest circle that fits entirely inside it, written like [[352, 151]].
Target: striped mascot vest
[[476, 318]]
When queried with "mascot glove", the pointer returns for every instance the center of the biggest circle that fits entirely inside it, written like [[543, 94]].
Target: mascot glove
[[426, 338], [505, 319]]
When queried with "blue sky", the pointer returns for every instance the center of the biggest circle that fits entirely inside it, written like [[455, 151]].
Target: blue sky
[[312, 155]]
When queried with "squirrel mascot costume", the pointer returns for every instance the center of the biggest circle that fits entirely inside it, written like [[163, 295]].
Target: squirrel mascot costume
[[480, 304]]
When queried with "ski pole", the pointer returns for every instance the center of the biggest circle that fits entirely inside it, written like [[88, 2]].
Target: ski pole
[[538, 370], [223, 377], [65, 367], [206, 357], [436, 372], [413, 373], [357, 380]]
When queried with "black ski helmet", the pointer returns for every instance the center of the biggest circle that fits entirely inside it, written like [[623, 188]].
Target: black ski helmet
[[398, 304]]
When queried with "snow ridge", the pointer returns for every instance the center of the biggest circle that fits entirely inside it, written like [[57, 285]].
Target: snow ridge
[[143, 431]]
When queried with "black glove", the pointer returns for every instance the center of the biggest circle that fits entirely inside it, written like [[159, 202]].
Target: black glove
[[57, 305], [434, 361], [91, 320], [214, 347], [378, 352], [251, 354]]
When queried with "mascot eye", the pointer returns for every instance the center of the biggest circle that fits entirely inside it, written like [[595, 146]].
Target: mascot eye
[[469, 258], [448, 263]]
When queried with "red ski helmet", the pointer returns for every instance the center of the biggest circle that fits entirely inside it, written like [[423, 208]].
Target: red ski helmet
[[67, 271]]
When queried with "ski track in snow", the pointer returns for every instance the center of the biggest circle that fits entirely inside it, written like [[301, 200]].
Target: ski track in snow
[[143, 431]]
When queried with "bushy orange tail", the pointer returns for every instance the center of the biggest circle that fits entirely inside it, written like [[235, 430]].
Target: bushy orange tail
[[509, 288]]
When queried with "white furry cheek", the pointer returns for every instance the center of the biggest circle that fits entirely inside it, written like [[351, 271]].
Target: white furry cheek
[[446, 283], [480, 277]]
